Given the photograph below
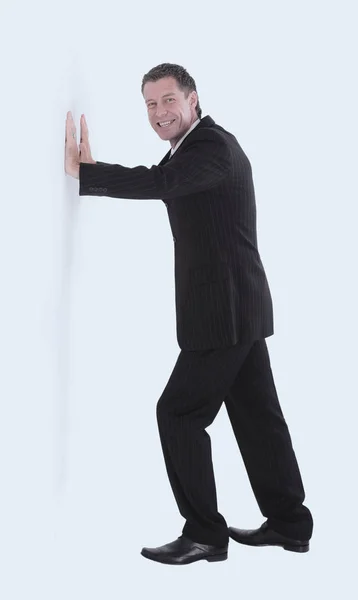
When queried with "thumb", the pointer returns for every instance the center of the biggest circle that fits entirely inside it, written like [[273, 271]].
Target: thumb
[[82, 151], [85, 153]]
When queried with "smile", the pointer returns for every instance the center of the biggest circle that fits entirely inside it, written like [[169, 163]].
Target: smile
[[166, 123]]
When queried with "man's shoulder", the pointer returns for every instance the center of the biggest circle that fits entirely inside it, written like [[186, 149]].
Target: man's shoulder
[[212, 132], [209, 133], [219, 141]]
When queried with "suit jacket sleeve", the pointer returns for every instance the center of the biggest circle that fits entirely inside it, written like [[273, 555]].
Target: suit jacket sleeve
[[201, 164]]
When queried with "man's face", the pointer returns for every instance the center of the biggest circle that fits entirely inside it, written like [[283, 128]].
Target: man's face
[[165, 102]]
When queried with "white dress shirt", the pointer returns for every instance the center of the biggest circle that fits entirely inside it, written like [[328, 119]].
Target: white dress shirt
[[184, 136]]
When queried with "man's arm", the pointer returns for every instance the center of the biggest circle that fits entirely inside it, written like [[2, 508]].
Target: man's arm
[[202, 164]]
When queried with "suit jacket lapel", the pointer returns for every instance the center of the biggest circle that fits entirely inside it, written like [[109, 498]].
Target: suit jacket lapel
[[165, 159], [204, 122]]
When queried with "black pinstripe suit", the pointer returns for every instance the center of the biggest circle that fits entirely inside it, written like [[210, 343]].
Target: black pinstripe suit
[[221, 290], [223, 313]]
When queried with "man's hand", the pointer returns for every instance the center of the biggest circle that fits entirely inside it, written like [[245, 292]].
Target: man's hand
[[85, 150], [74, 155]]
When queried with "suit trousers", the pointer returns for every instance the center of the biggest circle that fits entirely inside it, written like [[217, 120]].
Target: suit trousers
[[241, 377]]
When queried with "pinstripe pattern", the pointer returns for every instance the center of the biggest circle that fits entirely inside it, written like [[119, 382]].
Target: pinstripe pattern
[[241, 377], [223, 310], [221, 292]]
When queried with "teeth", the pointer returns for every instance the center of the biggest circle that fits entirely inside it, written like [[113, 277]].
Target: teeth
[[165, 123]]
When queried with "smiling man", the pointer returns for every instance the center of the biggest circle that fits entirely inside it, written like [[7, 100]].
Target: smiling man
[[169, 112], [223, 315]]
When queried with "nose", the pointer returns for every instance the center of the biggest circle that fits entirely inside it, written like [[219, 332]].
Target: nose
[[160, 114]]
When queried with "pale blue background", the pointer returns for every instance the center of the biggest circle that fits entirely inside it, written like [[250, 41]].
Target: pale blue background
[[87, 318]]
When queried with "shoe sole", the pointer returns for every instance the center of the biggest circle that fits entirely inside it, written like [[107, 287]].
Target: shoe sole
[[213, 558], [217, 557], [289, 547]]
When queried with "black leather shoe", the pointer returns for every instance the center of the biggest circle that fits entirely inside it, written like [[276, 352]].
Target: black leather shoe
[[264, 536], [184, 551]]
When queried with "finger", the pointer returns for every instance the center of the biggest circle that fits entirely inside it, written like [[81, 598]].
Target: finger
[[69, 121], [84, 130], [70, 130]]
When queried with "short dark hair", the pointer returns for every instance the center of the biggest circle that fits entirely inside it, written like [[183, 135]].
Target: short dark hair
[[185, 82]]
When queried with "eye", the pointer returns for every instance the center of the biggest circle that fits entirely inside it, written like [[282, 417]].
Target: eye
[[151, 103]]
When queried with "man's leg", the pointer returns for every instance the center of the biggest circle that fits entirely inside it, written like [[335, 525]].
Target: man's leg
[[190, 402], [265, 445]]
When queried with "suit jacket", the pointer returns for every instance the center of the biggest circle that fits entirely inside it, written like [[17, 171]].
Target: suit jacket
[[222, 295]]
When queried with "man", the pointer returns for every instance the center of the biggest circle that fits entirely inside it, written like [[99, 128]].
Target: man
[[223, 315]]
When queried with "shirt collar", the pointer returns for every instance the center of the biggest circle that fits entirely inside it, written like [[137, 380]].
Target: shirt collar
[[184, 136]]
